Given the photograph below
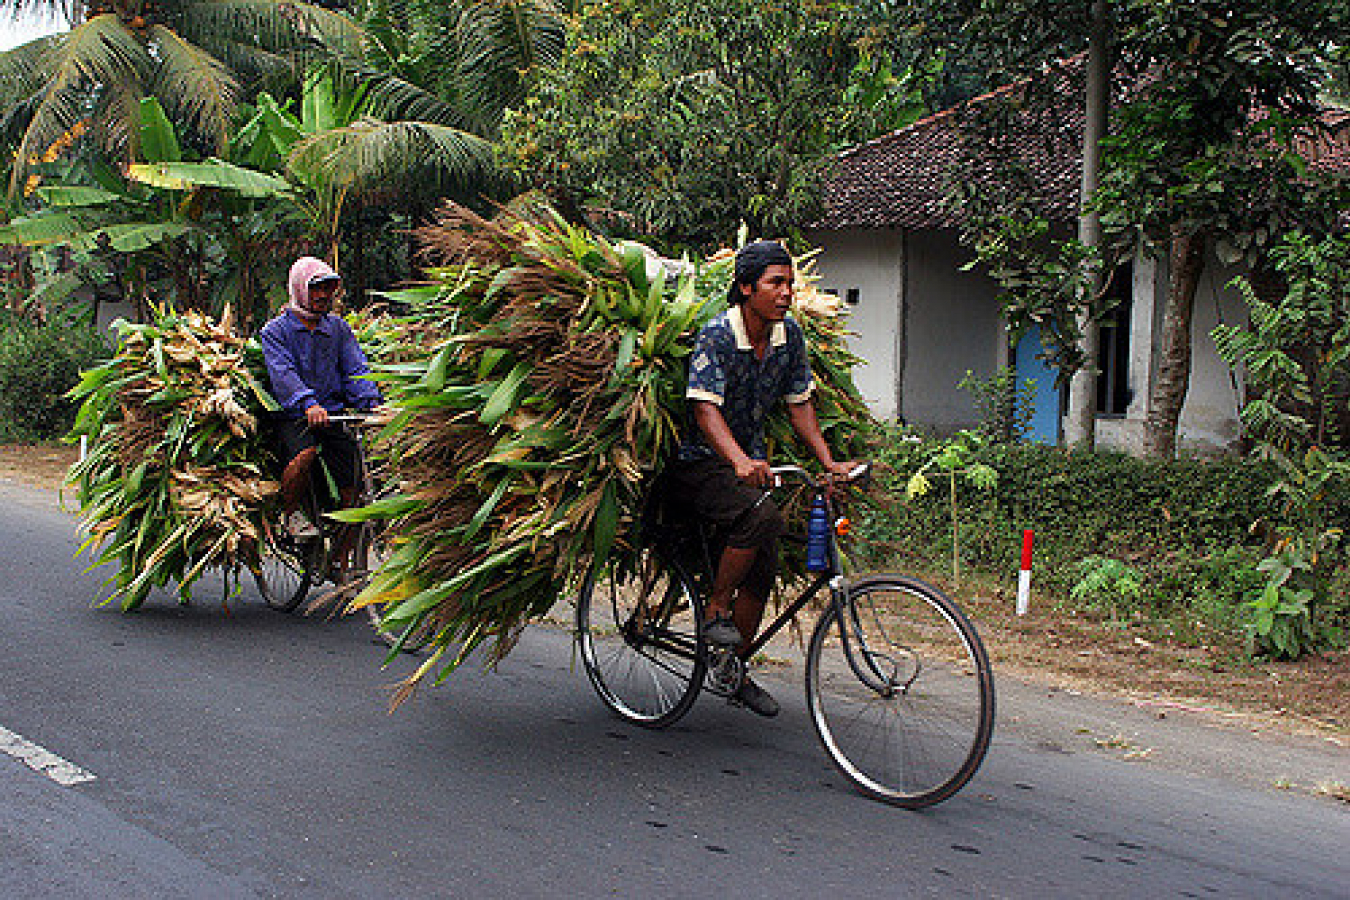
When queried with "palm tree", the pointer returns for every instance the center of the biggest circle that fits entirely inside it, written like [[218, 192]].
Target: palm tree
[[193, 55], [461, 62]]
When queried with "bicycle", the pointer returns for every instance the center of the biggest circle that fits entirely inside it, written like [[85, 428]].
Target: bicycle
[[898, 684], [291, 567]]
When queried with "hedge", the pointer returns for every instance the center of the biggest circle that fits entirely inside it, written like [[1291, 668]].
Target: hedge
[[1185, 526], [38, 364]]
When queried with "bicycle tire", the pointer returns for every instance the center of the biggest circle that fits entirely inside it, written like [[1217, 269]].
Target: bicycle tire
[[905, 704], [639, 634], [287, 571]]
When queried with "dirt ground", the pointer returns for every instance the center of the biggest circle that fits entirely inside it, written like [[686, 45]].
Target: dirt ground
[[1051, 647]]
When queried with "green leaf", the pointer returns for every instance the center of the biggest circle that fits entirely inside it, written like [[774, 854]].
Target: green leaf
[[434, 381], [388, 508], [42, 228], [504, 398], [77, 195], [159, 142], [132, 237], [214, 173], [481, 516], [606, 525]]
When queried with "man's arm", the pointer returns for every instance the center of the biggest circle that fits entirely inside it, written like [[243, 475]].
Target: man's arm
[[288, 387], [718, 434], [807, 426], [360, 391]]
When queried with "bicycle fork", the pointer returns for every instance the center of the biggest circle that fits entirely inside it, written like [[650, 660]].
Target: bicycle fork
[[879, 671]]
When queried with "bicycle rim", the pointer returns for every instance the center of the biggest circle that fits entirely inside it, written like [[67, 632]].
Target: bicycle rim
[[904, 704], [639, 637], [286, 572]]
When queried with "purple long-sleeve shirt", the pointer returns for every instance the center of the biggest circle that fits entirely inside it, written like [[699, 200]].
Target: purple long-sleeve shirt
[[322, 366]]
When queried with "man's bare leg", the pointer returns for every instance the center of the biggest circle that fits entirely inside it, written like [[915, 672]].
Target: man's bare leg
[[732, 569], [747, 612], [295, 479], [342, 549]]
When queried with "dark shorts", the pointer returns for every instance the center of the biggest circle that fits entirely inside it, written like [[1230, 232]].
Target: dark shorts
[[337, 447], [744, 516]]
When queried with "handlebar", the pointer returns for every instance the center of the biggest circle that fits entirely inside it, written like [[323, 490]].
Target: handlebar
[[797, 472]]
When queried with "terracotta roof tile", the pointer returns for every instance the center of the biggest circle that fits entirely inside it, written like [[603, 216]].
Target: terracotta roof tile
[[903, 179]]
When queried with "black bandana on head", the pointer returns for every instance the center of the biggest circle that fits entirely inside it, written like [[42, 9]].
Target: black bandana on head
[[751, 261]]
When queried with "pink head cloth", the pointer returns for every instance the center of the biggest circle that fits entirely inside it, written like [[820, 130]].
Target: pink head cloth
[[303, 271]]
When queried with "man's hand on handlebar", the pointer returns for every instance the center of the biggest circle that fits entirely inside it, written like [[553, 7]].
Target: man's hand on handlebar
[[316, 416], [754, 472], [847, 470]]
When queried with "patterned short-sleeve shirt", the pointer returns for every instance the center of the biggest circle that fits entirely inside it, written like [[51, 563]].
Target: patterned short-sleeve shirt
[[724, 370]]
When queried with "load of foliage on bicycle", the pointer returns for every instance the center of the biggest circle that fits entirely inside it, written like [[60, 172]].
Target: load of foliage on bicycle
[[177, 479], [524, 432]]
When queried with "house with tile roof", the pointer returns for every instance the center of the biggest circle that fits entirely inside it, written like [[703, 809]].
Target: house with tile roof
[[922, 318]]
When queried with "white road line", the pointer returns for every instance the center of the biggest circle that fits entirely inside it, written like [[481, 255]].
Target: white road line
[[40, 759]]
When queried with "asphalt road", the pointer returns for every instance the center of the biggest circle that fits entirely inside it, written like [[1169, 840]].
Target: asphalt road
[[251, 754]]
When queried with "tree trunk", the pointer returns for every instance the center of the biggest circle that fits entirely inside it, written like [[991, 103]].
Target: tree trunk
[[1080, 422], [1168, 393]]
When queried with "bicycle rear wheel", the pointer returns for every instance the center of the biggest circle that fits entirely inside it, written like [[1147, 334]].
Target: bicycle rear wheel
[[640, 637], [287, 571], [900, 692]]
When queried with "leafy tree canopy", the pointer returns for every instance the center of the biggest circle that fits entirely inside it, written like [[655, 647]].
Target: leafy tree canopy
[[682, 119]]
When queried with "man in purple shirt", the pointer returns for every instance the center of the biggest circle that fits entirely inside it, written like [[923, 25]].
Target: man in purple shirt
[[316, 369]]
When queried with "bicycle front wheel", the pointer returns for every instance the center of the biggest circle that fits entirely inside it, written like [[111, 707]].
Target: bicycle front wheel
[[374, 549], [900, 691], [640, 637]]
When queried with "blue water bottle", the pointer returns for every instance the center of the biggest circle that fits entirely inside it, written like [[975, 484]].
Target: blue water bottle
[[817, 526]]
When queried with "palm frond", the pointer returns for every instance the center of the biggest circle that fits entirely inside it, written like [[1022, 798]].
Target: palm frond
[[260, 67], [194, 84], [370, 155], [84, 61], [23, 74], [118, 109], [501, 40], [303, 29], [393, 98]]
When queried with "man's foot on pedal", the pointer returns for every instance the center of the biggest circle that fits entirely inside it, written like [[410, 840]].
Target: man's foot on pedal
[[300, 527], [756, 699], [722, 632]]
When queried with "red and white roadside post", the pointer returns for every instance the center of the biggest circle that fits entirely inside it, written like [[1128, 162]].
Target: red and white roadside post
[[1024, 576]]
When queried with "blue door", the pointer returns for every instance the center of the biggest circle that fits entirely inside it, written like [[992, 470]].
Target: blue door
[[1045, 418]]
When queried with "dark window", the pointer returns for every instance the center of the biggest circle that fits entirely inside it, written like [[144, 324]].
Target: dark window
[[1113, 347]]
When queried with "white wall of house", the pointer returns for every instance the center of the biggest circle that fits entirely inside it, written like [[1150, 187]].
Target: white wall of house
[[919, 321], [954, 327], [922, 322], [1209, 418], [872, 263]]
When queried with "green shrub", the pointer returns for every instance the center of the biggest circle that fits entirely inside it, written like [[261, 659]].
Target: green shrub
[[1183, 528], [38, 364]]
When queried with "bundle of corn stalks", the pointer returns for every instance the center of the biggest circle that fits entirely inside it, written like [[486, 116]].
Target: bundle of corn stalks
[[549, 390], [174, 482]]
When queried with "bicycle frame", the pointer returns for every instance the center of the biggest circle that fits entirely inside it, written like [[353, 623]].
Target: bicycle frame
[[833, 578]]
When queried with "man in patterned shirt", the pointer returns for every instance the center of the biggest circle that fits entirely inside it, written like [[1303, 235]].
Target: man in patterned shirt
[[745, 361]]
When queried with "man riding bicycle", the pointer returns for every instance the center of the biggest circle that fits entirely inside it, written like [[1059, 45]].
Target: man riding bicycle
[[744, 362], [316, 369]]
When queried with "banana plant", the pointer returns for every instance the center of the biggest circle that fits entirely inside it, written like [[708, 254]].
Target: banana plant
[[169, 226]]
